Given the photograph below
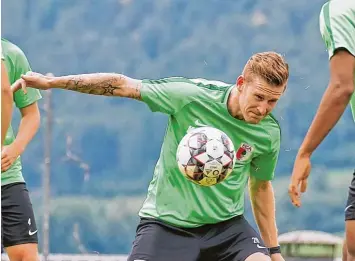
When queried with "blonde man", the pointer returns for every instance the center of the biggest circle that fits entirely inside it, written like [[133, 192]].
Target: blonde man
[[179, 219]]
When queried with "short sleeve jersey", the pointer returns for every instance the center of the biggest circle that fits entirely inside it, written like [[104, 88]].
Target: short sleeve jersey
[[192, 103], [337, 27], [16, 64]]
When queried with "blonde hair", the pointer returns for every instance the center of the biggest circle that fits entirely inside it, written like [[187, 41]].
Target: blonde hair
[[269, 66]]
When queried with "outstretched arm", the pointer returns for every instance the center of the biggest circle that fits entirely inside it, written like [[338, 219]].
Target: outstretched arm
[[108, 84]]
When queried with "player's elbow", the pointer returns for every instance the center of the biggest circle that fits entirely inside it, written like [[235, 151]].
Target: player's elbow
[[37, 122], [347, 91], [36, 118], [32, 116], [6, 91], [259, 185], [343, 88]]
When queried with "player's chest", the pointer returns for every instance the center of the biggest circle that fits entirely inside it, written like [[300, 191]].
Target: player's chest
[[249, 140]]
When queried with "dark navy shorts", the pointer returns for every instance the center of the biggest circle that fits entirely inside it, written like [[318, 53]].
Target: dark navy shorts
[[350, 205], [18, 224], [231, 240]]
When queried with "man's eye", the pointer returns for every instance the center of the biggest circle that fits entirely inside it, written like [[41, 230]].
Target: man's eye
[[259, 98]]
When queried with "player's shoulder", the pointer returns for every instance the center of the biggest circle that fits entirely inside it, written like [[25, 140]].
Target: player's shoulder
[[196, 87], [270, 121], [210, 84], [335, 8], [325, 5], [272, 126], [173, 79], [201, 82], [11, 50], [212, 90]]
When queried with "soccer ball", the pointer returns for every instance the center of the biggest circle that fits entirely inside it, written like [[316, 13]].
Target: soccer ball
[[206, 156]]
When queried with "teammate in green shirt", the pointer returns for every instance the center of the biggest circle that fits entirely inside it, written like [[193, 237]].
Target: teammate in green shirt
[[337, 26], [6, 101], [19, 231], [181, 220]]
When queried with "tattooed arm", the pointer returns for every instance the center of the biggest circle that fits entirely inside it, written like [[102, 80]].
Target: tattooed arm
[[108, 84]]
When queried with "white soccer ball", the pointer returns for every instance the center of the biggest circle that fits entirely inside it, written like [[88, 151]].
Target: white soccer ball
[[206, 156]]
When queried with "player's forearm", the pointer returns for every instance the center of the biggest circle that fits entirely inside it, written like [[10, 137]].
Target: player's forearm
[[263, 205], [331, 108], [108, 84], [29, 126], [6, 111]]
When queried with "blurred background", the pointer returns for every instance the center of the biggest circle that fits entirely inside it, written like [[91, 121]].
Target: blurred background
[[103, 150]]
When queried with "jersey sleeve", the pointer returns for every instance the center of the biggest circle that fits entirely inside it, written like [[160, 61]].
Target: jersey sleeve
[[263, 167], [168, 95], [337, 27], [21, 99]]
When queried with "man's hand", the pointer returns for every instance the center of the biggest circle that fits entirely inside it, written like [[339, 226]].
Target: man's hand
[[300, 173], [277, 257], [9, 154], [33, 80]]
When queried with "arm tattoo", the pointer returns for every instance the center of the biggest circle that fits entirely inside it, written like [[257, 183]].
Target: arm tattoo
[[103, 84]]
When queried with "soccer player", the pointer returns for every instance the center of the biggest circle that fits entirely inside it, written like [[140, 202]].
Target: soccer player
[[6, 101], [337, 26], [18, 225], [181, 220]]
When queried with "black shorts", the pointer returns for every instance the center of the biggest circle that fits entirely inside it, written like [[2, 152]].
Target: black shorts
[[232, 240], [18, 225], [350, 205]]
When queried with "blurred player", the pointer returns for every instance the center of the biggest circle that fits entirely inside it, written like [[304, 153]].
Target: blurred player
[[179, 219], [6, 101], [337, 26], [18, 225]]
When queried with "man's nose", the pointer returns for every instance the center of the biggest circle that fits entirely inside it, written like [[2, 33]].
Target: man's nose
[[262, 109]]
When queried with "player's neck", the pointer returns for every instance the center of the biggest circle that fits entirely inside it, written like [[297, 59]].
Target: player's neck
[[233, 104]]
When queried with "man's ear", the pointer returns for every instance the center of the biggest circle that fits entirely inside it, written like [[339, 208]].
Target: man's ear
[[240, 83], [285, 88]]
